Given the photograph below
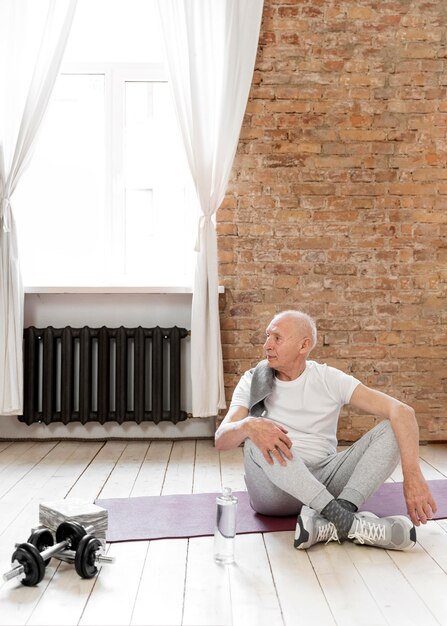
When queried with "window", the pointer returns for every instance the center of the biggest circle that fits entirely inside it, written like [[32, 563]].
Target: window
[[108, 198]]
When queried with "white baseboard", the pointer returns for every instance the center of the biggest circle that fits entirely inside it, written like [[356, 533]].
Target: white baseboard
[[192, 428]]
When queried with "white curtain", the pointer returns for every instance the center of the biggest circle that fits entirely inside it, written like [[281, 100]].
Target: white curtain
[[211, 49], [33, 35]]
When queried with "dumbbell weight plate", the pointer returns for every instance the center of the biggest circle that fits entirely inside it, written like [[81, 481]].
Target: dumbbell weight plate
[[42, 538], [70, 530], [85, 556], [29, 557]]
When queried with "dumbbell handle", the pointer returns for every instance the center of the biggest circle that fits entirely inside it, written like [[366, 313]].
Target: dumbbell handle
[[57, 547], [69, 557], [104, 558], [15, 571]]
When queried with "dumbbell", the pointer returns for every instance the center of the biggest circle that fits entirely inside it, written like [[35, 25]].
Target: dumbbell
[[42, 538], [88, 554], [32, 560]]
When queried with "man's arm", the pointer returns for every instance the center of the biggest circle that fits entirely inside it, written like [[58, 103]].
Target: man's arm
[[269, 437], [418, 497]]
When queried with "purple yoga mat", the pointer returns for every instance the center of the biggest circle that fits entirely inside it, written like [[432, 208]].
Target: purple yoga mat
[[193, 515]]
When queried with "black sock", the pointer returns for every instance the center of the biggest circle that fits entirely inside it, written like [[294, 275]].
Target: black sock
[[340, 517], [349, 506]]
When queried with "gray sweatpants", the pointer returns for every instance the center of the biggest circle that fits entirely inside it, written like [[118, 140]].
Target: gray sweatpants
[[353, 474]]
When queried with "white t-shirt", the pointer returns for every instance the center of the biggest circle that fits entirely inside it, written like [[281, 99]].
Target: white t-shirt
[[308, 407]]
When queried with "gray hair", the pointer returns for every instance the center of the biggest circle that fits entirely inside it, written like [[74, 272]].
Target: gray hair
[[302, 317]]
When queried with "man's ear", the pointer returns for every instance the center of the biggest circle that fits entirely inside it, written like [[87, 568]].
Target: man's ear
[[306, 344]]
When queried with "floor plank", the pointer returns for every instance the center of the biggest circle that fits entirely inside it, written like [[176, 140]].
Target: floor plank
[[393, 594], [426, 577], [436, 456], [433, 538], [5, 444], [89, 484], [64, 589], [346, 592], [152, 473], [180, 472], [14, 453], [430, 472], [159, 600], [207, 476], [121, 480], [207, 591], [117, 582], [25, 463], [50, 479], [18, 602], [442, 523], [300, 603], [231, 468], [253, 595]]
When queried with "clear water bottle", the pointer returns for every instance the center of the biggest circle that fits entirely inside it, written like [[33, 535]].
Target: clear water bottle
[[225, 531]]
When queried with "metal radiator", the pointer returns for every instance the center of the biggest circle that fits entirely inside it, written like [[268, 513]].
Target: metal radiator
[[102, 374]]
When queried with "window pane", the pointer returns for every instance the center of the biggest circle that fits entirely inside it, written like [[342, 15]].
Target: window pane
[[139, 227], [115, 31], [59, 203], [156, 173]]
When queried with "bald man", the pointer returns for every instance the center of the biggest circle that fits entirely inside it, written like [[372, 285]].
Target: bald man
[[286, 411]]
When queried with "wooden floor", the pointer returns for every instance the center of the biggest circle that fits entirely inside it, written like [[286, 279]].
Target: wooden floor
[[176, 581]]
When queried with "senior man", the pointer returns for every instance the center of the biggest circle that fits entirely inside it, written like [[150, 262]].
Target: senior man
[[286, 411]]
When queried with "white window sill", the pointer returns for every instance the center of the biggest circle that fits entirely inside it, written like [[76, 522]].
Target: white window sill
[[118, 290]]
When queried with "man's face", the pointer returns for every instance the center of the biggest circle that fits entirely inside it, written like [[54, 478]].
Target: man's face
[[284, 343]]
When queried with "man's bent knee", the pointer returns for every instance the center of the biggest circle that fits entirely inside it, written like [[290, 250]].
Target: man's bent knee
[[270, 500], [266, 498]]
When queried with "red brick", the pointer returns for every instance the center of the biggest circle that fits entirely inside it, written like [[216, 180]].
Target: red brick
[[336, 202]]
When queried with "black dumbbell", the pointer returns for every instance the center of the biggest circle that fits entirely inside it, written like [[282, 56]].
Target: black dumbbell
[[42, 538], [88, 554], [32, 562]]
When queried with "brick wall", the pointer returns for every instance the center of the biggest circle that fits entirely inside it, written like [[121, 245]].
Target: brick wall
[[337, 202]]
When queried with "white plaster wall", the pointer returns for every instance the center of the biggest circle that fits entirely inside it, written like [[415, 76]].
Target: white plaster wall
[[111, 309]]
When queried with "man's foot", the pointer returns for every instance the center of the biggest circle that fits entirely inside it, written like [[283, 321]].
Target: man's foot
[[392, 533], [311, 527]]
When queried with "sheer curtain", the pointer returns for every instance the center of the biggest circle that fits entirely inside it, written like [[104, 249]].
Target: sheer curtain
[[211, 49], [33, 35]]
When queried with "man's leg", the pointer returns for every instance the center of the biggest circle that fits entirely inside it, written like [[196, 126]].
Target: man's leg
[[265, 497], [352, 476], [281, 488], [355, 474]]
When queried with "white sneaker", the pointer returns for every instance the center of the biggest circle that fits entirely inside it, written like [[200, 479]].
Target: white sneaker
[[392, 533], [311, 527]]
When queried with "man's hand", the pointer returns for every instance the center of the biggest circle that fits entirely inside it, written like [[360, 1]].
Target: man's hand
[[420, 502], [271, 439]]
